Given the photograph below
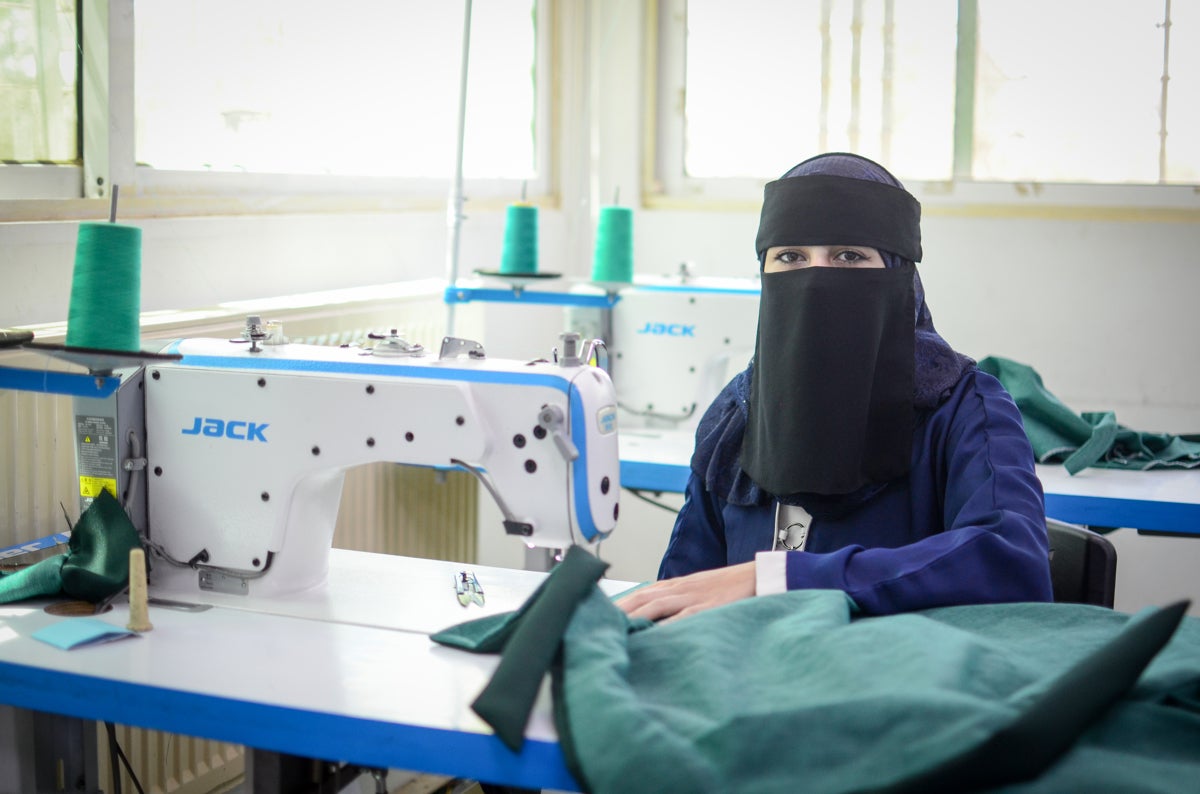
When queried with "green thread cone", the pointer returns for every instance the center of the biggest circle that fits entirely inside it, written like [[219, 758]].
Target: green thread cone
[[520, 253], [106, 289], [613, 260]]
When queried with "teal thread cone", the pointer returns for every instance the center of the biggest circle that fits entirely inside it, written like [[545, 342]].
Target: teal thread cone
[[106, 289], [613, 260], [520, 253]]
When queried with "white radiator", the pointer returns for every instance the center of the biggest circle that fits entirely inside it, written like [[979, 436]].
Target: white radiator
[[170, 764], [385, 508]]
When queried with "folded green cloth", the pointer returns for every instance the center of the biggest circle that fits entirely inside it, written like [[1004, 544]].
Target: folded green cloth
[[95, 566], [1079, 440], [797, 692]]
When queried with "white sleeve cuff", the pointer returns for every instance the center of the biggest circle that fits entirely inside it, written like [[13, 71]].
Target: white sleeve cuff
[[770, 572]]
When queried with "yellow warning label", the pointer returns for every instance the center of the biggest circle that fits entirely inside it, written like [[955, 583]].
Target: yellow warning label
[[90, 487]]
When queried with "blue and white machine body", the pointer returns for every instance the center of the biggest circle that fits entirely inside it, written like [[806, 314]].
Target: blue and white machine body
[[247, 447], [674, 344]]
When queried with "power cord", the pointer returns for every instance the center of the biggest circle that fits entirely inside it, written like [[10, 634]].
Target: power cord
[[680, 417], [115, 754], [640, 494]]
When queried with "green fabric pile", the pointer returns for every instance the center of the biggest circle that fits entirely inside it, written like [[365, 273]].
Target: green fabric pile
[[1092, 438], [95, 566], [797, 692]]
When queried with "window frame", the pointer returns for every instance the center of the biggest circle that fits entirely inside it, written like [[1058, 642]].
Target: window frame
[[108, 155], [21, 181], [670, 187]]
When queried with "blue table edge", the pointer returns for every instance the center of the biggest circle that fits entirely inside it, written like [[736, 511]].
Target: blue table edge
[[367, 742], [1097, 511]]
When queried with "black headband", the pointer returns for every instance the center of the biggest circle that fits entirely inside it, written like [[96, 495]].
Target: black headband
[[822, 209]]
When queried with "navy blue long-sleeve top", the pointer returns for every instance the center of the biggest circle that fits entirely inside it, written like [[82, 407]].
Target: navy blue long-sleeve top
[[966, 525]]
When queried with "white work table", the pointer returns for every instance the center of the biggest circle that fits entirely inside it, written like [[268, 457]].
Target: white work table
[[345, 671], [1161, 500]]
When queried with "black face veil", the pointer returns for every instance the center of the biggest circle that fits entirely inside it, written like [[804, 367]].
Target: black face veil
[[831, 397]]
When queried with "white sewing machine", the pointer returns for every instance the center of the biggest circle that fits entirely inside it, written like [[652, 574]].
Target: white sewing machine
[[674, 342], [247, 446]]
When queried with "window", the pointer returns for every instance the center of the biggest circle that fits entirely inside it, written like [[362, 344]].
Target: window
[[769, 81], [1070, 91], [368, 88], [38, 78], [1079, 96], [195, 98]]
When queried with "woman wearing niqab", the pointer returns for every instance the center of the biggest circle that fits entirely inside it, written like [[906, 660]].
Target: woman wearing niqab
[[858, 451]]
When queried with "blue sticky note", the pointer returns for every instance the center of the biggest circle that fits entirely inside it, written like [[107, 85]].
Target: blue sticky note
[[76, 632]]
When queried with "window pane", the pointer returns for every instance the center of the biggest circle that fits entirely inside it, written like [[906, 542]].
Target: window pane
[[760, 99], [308, 87], [37, 81], [1074, 97], [744, 116], [924, 40]]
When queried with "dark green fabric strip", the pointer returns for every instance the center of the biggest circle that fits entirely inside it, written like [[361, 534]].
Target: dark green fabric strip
[[488, 634], [532, 645], [484, 635]]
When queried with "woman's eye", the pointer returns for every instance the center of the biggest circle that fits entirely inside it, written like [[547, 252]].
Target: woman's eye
[[851, 256], [788, 257]]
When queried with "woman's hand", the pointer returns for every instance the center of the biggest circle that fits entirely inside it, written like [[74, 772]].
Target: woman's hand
[[686, 595]]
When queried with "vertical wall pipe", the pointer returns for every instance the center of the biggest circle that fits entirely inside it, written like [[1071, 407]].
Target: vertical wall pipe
[[454, 209], [1166, 78]]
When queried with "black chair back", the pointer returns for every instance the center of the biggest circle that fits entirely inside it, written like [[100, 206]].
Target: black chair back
[[1083, 565]]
